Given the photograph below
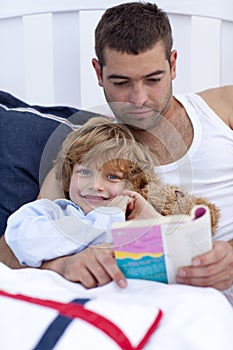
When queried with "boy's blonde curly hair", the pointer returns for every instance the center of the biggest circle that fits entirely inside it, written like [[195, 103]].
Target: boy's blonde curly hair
[[102, 139]]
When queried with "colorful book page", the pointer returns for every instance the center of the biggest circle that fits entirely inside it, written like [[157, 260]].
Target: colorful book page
[[139, 252]]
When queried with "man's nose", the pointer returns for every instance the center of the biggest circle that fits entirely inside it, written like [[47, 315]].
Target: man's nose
[[138, 95]]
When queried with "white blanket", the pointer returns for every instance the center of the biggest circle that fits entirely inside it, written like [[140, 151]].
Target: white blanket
[[193, 318]]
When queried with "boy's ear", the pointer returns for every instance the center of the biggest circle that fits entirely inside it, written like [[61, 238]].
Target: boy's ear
[[98, 71]]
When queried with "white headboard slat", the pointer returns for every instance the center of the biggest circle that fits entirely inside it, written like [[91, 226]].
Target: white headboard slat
[[47, 57], [12, 74], [66, 30], [226, 53]]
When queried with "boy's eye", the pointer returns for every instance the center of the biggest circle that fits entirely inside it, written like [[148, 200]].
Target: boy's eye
[[114, 177], [85, 172]]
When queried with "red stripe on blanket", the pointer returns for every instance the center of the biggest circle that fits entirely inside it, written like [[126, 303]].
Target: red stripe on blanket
[[78, 311]]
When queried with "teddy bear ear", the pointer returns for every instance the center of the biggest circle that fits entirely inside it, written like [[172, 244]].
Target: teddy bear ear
[[179, 193]]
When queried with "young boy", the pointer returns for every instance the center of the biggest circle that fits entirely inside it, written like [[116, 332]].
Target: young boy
[[96, 164], [107, 176]]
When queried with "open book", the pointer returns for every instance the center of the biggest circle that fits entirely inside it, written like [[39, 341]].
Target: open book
[[154, 249]]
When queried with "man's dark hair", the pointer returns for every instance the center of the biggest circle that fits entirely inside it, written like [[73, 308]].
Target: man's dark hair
[[132, 28]]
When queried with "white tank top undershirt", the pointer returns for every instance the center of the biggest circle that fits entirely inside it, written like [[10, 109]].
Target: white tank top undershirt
[[207, 167]]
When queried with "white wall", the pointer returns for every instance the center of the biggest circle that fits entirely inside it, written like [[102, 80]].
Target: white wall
[[46, 58]]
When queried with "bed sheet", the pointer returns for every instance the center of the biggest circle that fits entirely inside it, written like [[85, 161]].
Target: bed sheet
[[192, 317]]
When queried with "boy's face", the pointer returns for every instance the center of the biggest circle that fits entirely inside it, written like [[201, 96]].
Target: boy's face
[[91, 188], [138, 88]]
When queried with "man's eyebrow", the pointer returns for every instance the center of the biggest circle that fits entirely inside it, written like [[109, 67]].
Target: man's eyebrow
[[157, 72], [116, 76]]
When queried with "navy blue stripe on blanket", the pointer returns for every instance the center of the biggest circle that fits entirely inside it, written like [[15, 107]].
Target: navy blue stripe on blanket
[[56, 329]]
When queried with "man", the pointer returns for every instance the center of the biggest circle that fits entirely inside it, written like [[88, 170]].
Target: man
[[190, 136]]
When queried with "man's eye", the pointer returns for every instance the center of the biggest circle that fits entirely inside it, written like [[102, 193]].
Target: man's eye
[[153, 80], [120, 83]]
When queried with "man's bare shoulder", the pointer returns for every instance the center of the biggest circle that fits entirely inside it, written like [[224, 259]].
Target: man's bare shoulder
[[221, 101], [220, 93]]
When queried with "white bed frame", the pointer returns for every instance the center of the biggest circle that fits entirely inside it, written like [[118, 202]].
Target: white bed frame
[[46, 50], [47, 46]]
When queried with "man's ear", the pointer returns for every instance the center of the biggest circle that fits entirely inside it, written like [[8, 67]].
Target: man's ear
[[173, 59], [98, 71]]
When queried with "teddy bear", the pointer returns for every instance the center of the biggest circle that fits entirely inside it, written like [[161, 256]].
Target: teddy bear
[[172, 200]]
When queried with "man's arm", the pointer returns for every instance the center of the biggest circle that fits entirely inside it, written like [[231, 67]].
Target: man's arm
[[231, 243], [7, 256], [51, 187], [92, 267], [215, 268]]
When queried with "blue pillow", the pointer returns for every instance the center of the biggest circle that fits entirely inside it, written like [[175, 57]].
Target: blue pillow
[[24, 132]]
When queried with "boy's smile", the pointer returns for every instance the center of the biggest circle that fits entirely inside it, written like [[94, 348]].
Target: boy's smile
[[91, 188]]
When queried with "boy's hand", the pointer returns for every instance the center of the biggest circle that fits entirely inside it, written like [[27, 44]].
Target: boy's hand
[[139, 207], [122, 202]]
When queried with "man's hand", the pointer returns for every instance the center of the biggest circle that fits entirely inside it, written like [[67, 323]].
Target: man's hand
[[93, 267], [213, 269]]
